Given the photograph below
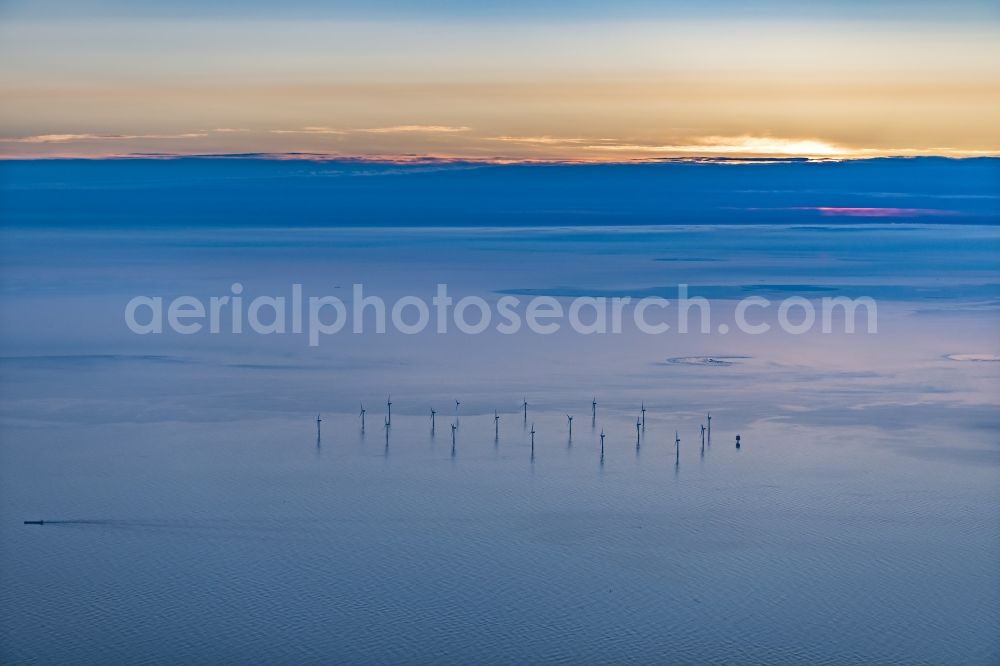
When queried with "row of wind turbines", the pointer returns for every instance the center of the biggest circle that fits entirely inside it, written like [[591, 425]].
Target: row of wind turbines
[[640, 426]]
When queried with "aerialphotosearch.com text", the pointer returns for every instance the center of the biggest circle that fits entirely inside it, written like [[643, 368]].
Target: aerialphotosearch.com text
[[319, 316]]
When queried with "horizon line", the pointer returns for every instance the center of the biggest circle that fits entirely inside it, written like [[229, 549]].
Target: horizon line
[[486, 161]]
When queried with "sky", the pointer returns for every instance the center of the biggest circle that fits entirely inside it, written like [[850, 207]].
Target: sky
[[573, 81]]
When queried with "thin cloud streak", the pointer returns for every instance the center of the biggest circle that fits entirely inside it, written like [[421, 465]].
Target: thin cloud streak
[[542, 140], [429, 129], [309, 130], [69, 138], [394, 129], [712, 146], [841, 211], [741, 145]]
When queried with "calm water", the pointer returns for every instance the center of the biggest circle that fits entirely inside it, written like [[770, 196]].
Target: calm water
[[203, 523]]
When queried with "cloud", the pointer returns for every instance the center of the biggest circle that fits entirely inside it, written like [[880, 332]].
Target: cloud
[[394, 129], [842, 211], [428, 129], [712, 146], [543, 140], [981, 358], [740, 145], [69, 138], [310, 130]]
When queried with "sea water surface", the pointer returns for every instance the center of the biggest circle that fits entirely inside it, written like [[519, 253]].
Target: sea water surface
[[193, 515]]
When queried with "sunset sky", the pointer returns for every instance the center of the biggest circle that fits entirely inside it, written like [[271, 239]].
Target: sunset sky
[[570, 81]]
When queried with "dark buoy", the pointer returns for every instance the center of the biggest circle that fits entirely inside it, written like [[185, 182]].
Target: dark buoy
[[737, 441]]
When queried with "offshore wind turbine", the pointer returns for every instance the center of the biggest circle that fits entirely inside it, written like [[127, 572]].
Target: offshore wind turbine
[[643, 409], [637, 425], [318, 421], [496, 425], [602, 444], [388, 404], [387, 425], [457, 403], [525, 410], [677, 448], [593, 411], [532, 441], [570, 419], [710, 428], [362, 417], [432, 420], [703, 439]]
